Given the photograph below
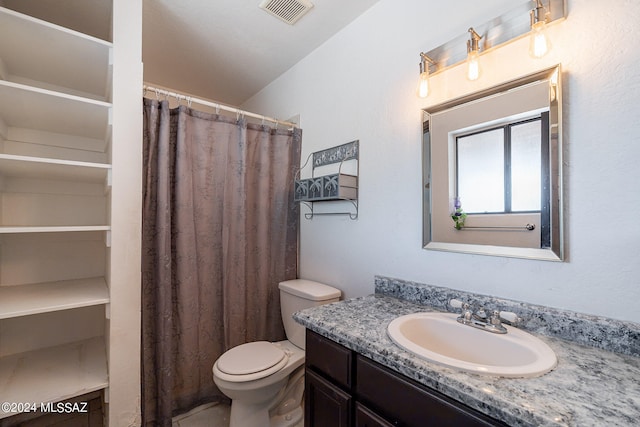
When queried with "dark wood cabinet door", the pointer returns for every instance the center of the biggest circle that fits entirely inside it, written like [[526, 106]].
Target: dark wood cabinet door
[[368, 418], [325, 405]]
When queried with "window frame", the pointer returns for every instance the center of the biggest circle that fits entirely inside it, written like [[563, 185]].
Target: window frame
[[543, 119]]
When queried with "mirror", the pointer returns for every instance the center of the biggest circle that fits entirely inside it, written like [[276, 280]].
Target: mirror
[[492, 171]]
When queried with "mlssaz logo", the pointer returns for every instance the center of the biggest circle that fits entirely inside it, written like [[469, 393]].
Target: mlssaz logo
[[65, 407]]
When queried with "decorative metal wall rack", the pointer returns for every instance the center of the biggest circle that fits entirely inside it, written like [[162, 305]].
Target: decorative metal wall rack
[[334, 187]]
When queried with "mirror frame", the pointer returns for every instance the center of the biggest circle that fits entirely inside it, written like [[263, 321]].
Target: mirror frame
[[556, 251]]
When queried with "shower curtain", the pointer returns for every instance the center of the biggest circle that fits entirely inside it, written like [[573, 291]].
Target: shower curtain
[[219, 232]]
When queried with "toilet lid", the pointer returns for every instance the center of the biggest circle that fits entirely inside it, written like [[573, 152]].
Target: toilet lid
[[250, 358]]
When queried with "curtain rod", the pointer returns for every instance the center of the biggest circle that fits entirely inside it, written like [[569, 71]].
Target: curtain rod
[[215, 105]]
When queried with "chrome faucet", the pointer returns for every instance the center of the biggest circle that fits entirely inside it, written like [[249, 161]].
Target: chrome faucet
[[481, 320]]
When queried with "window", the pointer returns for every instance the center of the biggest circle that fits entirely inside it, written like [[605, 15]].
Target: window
[[500, 169]]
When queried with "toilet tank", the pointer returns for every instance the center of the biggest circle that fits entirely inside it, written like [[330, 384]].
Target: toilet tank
[[298, 294]]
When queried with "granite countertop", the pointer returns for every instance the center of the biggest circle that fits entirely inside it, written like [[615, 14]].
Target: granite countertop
[[589, 387]]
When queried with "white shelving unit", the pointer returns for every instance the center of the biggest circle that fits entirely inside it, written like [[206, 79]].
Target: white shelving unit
[[76, 368], [34, 108], [55, 179], [39, 298], [52, 229], [53, 56], [65, 170]]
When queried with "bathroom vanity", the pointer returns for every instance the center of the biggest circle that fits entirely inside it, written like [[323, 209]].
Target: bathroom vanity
[[356, 376], [344, 388]]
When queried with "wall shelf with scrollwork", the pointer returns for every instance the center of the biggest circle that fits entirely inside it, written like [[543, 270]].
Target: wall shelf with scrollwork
[[334, 187]]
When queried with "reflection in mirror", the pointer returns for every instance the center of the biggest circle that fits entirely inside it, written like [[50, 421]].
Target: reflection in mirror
[[498, 170], [494, 159]]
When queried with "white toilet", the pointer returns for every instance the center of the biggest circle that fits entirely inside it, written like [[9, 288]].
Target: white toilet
[[264, 380]]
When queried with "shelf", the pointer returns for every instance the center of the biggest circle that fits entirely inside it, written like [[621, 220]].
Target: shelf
[[326, 188], [23, 300], [52, 229], [43, 168], [53, 374], [27, 107], [334, 187], [37, 50]]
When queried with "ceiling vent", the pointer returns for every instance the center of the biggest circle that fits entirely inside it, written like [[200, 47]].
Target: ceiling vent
[[287, 10]]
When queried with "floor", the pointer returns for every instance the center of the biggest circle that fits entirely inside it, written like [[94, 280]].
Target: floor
[[209, 415]]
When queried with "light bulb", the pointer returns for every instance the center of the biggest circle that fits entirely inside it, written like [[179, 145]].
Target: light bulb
[[538, 43], [473, 55], [423, 81], [423, 84], [473, 65]]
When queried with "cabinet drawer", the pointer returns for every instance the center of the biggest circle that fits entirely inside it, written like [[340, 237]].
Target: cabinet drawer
[[330, 359], [406, 403]]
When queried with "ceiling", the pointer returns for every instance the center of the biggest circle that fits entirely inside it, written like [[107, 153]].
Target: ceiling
[[228, 50]]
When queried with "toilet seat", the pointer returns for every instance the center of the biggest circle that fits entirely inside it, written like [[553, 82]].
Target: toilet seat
[[250, 361]]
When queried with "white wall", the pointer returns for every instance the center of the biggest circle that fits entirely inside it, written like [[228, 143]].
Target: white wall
[[126, 217], [361, 85]]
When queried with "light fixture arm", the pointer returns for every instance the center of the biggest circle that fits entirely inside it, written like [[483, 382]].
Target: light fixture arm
[[473, 44], [539, 13], [425, 62]]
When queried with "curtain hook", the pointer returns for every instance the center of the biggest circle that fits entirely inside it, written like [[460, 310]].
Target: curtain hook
[[189, 101], [157, 95], [217, 108]]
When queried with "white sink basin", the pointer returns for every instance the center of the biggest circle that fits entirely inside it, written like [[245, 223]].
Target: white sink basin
[[439, 338]]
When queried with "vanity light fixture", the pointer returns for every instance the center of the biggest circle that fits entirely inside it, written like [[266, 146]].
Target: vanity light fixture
[[473, 55], [423, 81], [538, 41], [527, 19]]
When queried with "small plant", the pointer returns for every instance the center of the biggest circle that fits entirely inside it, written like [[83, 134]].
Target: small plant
[[458, 216]]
